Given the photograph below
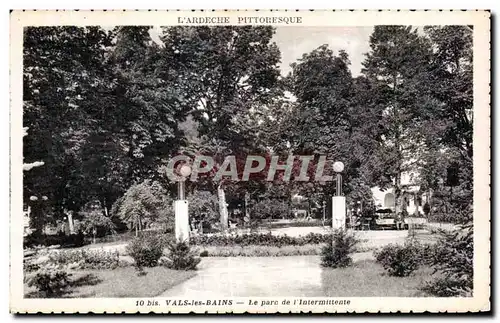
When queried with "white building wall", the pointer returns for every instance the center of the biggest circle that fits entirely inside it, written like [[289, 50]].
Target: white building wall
[[384, 199]]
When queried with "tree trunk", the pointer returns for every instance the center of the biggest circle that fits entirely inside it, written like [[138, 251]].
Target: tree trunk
[[136, 224], [429, 201], [222, 208], [104, 207], [398, 194], [70, 223]]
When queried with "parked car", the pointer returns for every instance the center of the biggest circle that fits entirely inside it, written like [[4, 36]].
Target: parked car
[[386, 219]]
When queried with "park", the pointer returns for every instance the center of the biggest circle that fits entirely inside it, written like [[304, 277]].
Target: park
[[213, 161]]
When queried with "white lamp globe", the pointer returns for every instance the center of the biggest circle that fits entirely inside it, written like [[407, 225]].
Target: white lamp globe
[[338, 167], [185, 170]]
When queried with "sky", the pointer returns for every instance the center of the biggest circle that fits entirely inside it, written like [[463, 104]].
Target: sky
[[295, 41]]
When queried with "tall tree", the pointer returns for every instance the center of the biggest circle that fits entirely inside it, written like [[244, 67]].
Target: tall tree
[[230, 71], [148, 100], [63, 70], [324, 89], [451, 84], [396, 66]]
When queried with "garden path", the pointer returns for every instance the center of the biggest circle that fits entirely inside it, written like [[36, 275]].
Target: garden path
[[298, 276]]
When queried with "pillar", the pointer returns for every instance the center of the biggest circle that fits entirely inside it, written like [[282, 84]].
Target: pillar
[[338, 212], [181, 220]]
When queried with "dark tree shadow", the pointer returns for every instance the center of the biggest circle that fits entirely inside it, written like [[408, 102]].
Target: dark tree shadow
[[86, 280]]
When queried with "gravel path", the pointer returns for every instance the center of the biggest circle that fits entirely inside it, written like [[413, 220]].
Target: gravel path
[[298, 276]]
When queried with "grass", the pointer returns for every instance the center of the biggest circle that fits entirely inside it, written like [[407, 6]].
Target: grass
[[120, 282], [366, 278]]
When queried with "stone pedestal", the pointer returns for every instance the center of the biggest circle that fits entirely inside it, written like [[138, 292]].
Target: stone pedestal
[[338, 212], [181, 220]]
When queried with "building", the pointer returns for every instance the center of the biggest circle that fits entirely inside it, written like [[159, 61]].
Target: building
[[413, 198]]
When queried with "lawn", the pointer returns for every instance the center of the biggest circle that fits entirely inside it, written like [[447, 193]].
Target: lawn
[[366, 278], [120, 282]]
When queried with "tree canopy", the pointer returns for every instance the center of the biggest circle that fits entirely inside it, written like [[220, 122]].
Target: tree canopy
[[106, 108]]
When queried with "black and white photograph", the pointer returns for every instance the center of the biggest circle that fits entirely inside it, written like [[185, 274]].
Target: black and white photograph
[[253, 161]]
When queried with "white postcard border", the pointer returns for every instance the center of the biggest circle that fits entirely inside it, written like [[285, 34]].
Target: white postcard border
[[480, 20]]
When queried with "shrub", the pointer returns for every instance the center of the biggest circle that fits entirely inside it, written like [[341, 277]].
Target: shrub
[[336, 253], [31, 265], [296, 223], [146, 250], [399, 260], [49, 280], [94, 223], [143, 204], [453, 259], [181, 257], [74, 240], [85, 259], [259, 251]]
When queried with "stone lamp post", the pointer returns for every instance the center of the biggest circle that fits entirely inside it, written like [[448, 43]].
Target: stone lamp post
[[338, 201], [181, 205]]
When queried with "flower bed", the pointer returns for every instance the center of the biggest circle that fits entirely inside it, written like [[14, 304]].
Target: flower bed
[[75, 259], [257, 251], [258, 239], [294, 224]]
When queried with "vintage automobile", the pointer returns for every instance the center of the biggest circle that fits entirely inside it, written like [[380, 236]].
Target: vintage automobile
[[386, 219]]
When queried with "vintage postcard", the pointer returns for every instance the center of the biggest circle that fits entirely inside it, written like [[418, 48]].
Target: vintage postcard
[[255, 161]]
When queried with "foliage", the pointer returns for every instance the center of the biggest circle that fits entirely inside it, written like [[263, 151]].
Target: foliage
[[165, 219], [181, 257], [30, 265], [453, 261], [146, 250], [266, 239], [85, 259], [270, 209], [72, 240], [323, 87], [399, 260], [452, 75], [397, 71], [95, 221], [143, 204], [322, 84], [123, 100], [50, 280], [259, 251], [238, 71], [233, 76], [61, 118], [120, 282], [336, 252], [203, 206], [295, 223], [110, 120]]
